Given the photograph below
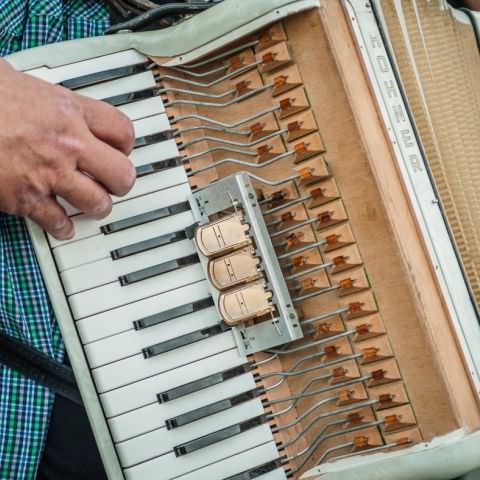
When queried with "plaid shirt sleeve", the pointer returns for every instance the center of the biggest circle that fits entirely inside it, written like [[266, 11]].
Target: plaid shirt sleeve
[[25, 311]]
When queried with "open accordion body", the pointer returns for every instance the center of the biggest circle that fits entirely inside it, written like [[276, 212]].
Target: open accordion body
[[291, 288]]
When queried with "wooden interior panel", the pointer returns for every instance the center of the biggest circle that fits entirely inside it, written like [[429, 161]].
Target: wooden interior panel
[[383, 367]]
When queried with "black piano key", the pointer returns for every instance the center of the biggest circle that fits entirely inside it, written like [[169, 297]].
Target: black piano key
[[159, 166], [144, 218], [156, 270], [97, 77], [211, 409], [184, 340], [154, 138], [258, 471], [219, 435], [149, 244], [173, 313], [202, 383], [130, 97]]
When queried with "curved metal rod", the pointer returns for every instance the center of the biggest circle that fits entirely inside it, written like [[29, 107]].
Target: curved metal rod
[[323, 316], [291, 203], [315, 269], [194, 93], [244, 133], [240, 163], [290, 398], [310, 450], [220, 149], [218, 80], [245, 96], [339, 411], [219, 69], [292, 372], [236, 144], [226, 125], [304, 415], [301, 249], [312, 344], [315, 294]]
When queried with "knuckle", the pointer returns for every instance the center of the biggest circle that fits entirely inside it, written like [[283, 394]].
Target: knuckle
[[68, 146], [27, 196]]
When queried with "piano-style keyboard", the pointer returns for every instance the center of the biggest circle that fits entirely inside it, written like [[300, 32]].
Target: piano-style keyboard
[[192, 410]]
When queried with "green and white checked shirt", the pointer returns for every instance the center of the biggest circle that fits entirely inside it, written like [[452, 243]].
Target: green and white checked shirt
[[25, 310]]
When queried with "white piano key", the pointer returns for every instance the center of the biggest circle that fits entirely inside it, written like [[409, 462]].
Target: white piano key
[[90, 249], [168, 466], [143, 108], [151, 125], [153, 416], [136, 368], [113, 295], [143, 186], [121, 319], [278, 474], [130, 343], [107, 270], [86, 226], [120, 86], [139, 394], [154, 153], [87, 67], [239, 463], [162, 441]]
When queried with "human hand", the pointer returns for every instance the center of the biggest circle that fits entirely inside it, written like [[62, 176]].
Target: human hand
[[56, 142]]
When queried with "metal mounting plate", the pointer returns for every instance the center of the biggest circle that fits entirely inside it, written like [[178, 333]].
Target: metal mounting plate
[[219, 197]]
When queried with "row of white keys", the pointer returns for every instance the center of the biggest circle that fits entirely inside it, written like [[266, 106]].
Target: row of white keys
[[120, 86], [163, 441], [143, 108], [153, 416], [95, 248], [133, 369], [168, 466], [107, 297], [87, 227], [144, 392], [88, 67], [154, 153], [237, 464], [132, 342], [150, 125], [102, 272]]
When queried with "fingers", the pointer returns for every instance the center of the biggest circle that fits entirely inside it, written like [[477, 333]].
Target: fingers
[[84, 193], [107, 166], [52, 217], [109, 124]]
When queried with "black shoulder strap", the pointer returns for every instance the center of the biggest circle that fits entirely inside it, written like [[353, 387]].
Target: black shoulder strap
[[39, 367]]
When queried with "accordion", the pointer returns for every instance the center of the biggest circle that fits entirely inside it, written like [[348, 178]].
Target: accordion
[[291, 288]]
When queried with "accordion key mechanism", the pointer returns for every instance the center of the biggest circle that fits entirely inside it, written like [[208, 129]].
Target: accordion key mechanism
[[286, 294]]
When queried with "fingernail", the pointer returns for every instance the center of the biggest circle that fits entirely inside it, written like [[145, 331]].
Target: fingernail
[[67, 235], [60, 224], [102, 207]]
